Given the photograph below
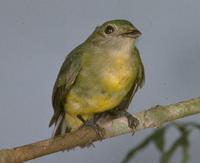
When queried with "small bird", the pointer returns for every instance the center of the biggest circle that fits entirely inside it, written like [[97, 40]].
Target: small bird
[[101, 75]]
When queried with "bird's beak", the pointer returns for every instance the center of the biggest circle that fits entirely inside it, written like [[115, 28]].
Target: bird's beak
[[132, 33]]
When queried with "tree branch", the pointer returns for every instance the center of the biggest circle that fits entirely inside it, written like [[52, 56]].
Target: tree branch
[[153, 117]]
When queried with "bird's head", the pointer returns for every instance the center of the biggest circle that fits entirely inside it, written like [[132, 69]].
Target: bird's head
[[115, 33]]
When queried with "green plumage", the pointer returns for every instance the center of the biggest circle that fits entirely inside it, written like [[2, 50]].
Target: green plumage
[[102, 74]]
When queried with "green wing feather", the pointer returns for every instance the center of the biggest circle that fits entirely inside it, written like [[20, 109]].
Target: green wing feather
[[65, 80], [141, 74]]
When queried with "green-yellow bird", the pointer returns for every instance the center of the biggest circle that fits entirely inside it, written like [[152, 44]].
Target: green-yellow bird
[[99, 76]]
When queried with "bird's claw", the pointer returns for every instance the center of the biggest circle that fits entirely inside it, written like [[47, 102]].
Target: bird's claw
[[132, 122], [99, 130]]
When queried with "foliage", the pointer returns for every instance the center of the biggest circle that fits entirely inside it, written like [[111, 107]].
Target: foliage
[[158, 139]]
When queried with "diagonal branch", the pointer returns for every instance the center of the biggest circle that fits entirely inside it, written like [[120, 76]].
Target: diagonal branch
[[153, 117]]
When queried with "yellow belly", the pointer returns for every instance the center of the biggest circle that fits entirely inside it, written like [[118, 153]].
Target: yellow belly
[[112, 82]]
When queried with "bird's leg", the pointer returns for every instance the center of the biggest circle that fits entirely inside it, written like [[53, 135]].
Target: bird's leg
[[132, 121], [93, 124]]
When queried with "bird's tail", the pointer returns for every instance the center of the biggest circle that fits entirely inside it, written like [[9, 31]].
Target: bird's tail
[[60, 125]]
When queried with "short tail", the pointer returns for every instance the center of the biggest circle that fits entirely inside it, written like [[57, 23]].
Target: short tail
[[60, 125]]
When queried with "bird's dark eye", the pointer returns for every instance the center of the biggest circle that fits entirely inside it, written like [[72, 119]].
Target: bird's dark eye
[[109, 29]]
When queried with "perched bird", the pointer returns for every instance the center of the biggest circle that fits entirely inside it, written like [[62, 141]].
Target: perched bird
[[101, 75]]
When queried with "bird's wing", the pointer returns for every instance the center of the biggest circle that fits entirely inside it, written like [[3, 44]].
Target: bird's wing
[[138, 83], [65, 80], [141, 74]]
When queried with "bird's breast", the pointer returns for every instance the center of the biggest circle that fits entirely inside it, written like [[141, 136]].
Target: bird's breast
[[112, 70], [118, 73], [102, 83]]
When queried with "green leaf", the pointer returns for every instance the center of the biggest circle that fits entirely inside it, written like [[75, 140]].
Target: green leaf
[[183, 142], [185, 148], [159, 138], [186, 156], [166, 156], [136, 149]]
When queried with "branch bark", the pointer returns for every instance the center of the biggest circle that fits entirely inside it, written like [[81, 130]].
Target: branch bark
[[151, 118]]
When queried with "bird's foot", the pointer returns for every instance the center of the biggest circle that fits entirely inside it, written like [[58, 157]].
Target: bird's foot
[[132, 121], [93, 124], [99, 130]]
